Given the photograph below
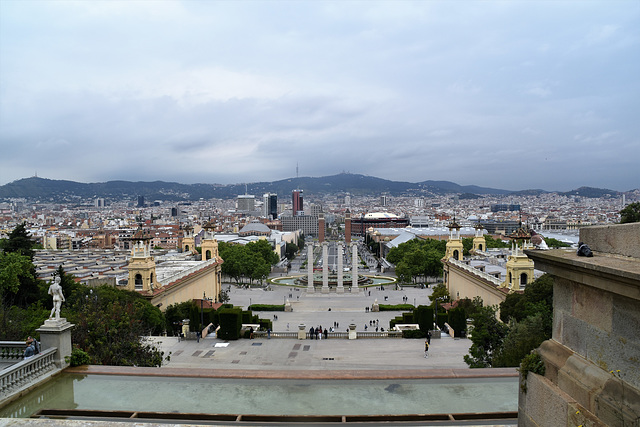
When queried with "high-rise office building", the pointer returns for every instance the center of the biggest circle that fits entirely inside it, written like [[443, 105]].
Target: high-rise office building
[[141, 201], [270, 205], [246, 202], [297, 203]]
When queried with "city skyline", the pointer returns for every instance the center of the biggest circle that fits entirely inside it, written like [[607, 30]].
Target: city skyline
[[508, 95]]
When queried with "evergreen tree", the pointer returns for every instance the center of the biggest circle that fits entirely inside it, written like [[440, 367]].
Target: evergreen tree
[[19, 241], [486, 338]]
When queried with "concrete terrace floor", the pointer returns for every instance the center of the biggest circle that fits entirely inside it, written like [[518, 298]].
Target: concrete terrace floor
[[333, 354]]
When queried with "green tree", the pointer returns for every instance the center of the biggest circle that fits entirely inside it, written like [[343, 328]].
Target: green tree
[[30, 289], [109, 323], [470, 306], [19, 241], [252, 261], [290, 251], [630, 213], [418, 257], [537, 298], [521, 338], [441, 293], [486, 338], [175, 314], [555, 243], [495, 243], [467, 245], [13, 267]]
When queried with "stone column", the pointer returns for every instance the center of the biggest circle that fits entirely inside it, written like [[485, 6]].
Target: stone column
[[57, 333], [325, 267], [340, 288], [354, 267], [310, 268]]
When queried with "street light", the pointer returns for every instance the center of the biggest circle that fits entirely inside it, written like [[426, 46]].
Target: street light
[[437, 300], [204, 297]]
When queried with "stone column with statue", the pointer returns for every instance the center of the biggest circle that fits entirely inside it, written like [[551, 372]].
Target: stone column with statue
[[55, 290], [56, 331]]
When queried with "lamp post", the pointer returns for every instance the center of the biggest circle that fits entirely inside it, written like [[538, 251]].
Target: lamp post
[[204, 297], [437, 303]]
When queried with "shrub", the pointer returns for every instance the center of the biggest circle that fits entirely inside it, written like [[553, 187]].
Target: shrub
[[247, 316], [408, 318], [423, 316], [265, 324], [413, 334], [230, 323], [458, 321], [79, 357], [393, 322], [531, 363]]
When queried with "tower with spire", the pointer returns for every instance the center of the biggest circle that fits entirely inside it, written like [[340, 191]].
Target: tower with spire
[[209, 242], [479, 242], [519, 266], [142, 266], [188, 239], [454, 248]]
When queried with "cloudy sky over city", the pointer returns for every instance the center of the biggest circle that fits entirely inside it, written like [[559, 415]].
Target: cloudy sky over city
[[504, 94]]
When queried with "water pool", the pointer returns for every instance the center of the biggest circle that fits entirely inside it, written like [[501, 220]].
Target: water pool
[[269, 396]]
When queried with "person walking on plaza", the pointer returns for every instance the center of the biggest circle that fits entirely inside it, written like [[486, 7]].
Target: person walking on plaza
[[426, 349]]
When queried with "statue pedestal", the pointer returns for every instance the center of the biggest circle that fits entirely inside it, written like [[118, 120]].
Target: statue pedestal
[[302, 332], [57, 333], [352, 331]]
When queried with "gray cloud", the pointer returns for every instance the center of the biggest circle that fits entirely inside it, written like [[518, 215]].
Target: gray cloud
[[222, 92]]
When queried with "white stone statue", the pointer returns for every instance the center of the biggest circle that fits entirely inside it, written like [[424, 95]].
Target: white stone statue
[[55, 290]]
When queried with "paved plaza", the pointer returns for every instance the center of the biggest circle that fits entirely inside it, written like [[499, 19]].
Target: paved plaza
[[333, 354]]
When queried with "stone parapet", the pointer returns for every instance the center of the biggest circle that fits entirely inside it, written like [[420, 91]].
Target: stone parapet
[[619, 239], [592, 375]]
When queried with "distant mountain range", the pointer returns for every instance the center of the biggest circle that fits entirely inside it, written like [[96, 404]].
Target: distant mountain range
[[60, 190]]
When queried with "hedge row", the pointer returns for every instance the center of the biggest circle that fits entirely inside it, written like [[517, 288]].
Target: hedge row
[[266, 307], [396, 307]]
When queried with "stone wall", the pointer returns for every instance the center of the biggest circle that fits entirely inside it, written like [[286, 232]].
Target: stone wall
[[592, 361]]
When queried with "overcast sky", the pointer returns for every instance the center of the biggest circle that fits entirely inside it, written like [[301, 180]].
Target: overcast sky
[[513, 95]]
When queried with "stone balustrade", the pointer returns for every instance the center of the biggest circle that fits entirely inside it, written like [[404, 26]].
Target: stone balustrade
[[27, 371], [475, 271], [11, 351]]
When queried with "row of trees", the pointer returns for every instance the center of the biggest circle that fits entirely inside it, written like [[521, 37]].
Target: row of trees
[[251, 262], [418, 258]]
